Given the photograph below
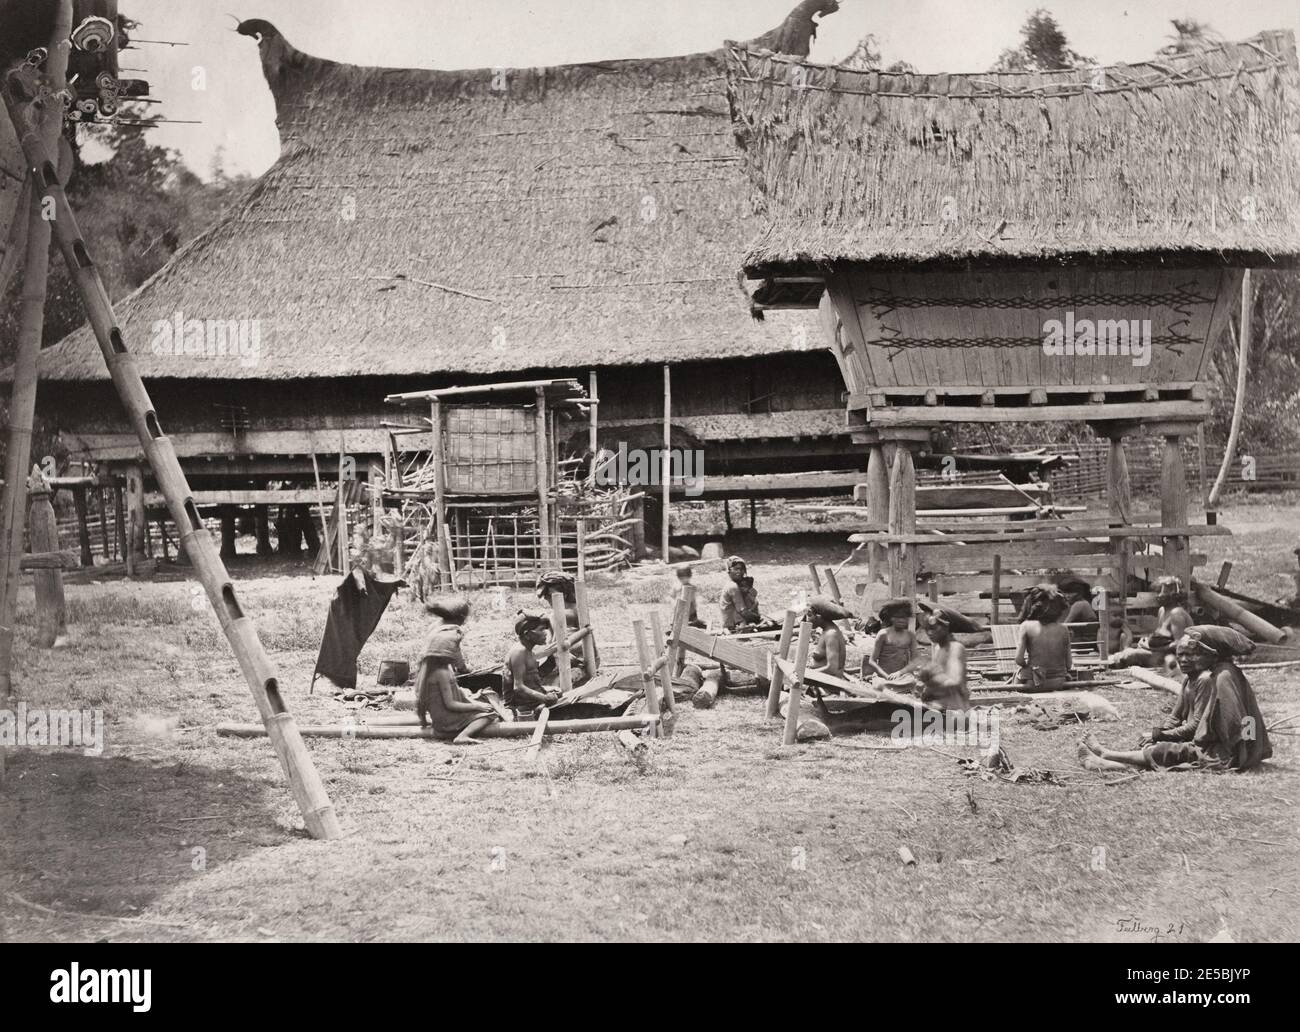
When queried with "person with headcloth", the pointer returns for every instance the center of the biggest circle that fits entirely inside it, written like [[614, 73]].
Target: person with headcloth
[[830, 652], [1078, 595], [739, 600], [1216, 723], [894, 650], [1043, 646], [1172, 620], [943, 678], [521, 681], [440, 701]]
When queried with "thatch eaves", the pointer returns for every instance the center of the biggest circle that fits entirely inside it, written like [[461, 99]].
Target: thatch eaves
[[474, 222], [1193, 158]]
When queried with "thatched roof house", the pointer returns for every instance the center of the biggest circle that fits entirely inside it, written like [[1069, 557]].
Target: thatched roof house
[[425, 227], [1194, 154], [959, 221]]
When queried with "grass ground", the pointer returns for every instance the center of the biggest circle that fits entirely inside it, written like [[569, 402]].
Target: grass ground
[[176, 834]]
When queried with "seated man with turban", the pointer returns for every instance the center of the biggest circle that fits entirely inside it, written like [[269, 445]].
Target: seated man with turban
[[1043, 648], [830, 652], [1216, 723], [521, 682]]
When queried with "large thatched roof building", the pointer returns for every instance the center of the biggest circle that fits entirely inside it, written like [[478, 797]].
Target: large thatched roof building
[[426, 227]]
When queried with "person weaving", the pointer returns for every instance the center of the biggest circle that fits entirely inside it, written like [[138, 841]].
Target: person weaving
[[439, 699], [1216, 723], [830, 652], [521, 681], [894, 649], [1043, 648]]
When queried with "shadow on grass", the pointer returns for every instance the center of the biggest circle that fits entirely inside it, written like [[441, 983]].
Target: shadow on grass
[[91, 842]]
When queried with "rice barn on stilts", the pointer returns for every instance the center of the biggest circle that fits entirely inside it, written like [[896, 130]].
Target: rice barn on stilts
[[1023, 247]]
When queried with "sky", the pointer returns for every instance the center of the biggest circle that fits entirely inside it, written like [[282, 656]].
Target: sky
[[237, 115]]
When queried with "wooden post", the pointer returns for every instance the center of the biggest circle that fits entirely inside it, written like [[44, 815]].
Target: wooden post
[[778, 675], [902, 520], [833, 585], [877, 503], [83, 525], [667, 670], [136, 521], [308, 790], [262, 514], [816, 579], [341, 524], [51, 610], [544, 473], [666, 475], [1225, 571], [48, 119], [584, 620], [1117, 480], [997, 589], [1103, 624], [560, 631], [103, 523], [652, 703], [796, 688], [681, 613], [593, 436], [119, 523], [1173, 508], [228, 535], [440, 492]]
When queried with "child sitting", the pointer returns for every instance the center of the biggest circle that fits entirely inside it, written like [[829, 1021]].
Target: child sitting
[[439, 700], [683, 582], [522, 680], [894, 650]]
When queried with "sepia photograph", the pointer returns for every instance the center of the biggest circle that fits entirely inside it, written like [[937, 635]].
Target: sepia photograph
[[728, 471]]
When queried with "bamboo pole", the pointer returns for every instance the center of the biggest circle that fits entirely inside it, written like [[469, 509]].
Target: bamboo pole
[[652, 706], [559, 630], [47, 121], [503, 729], [439, 494], [796, 685], [1239, 403], [666, 461], [263, 682]]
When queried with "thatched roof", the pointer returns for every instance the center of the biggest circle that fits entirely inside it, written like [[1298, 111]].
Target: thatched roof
[[1190, 157], [564, 217]]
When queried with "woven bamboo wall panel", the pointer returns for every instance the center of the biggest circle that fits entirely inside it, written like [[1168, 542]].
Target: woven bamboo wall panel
[[490, 450]]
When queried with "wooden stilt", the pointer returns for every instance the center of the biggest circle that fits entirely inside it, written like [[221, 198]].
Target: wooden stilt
[[262, 514], [902, 520], [796, 685], [877, 504], [83, 525], [51, 610], [136, 520], [777, 674], [1173, 508], [228, 536], [308, 789]]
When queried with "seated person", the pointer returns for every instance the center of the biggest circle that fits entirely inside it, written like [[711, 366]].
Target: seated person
[[895, 649], [1216, 723], [521, 681], [1118, 636], [739, 600], [439, 699], [943, 679], [830, 652], [1043, 648], [684, 575], [1172, 619], [1078, 595]]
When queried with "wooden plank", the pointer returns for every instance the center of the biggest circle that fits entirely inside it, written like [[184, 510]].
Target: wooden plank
[[283, 496], [503, 729], [535, 745], [730, 653], [1149, 411], [1050, 534]]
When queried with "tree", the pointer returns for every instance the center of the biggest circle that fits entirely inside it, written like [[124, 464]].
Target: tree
[[866, 55], [1043, 48]]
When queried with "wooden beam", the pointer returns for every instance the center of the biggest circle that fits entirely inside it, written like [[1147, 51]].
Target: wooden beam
[[504, 729], [778, 673], [117, 447], [1129, 412], [280, 496], [796, 684]]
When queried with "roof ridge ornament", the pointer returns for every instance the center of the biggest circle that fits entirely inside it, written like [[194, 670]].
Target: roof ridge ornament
[[794, 36]]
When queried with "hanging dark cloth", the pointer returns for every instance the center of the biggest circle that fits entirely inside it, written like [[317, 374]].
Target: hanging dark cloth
[[358, 603]]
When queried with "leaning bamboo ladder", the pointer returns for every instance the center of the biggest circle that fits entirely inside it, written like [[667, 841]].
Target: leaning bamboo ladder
[[308, 789]]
